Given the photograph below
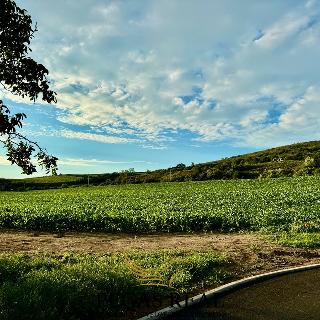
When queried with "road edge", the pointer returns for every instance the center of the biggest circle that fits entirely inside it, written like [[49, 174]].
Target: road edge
[[224, 290]]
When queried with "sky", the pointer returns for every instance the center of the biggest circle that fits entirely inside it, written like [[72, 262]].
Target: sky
[[148, 84]]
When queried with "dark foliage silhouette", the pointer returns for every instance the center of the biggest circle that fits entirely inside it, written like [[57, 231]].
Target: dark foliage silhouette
[[22, 76]]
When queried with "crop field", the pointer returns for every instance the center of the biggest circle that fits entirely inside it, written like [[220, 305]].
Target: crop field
[[287, 204]]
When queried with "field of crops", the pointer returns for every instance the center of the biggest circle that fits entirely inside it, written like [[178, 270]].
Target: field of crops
[[289, 204]]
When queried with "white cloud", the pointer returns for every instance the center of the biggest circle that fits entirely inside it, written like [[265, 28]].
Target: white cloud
[[134, 70], [254, 116], [94, 137], [305, 113], [4, 161], [107, 11], [288, 26], [93, 162], [175, 75]]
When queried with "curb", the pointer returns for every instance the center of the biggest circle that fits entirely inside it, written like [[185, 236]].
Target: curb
[[224, 290]]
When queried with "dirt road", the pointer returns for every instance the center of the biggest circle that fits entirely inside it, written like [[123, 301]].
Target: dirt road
[[251, 252]]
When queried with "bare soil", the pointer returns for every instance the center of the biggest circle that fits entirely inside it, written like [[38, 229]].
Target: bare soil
[[249, 253]]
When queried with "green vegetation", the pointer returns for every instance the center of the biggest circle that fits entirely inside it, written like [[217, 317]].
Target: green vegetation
[[50, 179], [293, 160], [40, 182], [286, 204], [299, 240], [21, 76], [72, 286], [112, 285]]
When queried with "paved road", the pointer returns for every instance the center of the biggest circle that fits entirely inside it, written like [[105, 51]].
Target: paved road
[[290, 297]]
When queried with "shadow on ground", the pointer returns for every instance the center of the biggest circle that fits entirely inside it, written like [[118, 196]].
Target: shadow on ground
[[295, 297]]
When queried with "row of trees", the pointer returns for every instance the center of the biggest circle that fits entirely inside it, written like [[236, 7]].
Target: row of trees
[[237, 168]]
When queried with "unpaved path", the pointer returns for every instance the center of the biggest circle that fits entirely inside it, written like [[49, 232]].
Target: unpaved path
[[250, 252], [100, 242]]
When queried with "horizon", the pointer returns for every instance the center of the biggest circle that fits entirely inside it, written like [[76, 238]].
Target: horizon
[[149, 84], [39, 175]]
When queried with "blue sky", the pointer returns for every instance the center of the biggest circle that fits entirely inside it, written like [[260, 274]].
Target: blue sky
[[147, 84]]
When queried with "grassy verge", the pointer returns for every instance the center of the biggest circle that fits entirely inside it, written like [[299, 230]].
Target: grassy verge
[[91, 286], [299, 240]]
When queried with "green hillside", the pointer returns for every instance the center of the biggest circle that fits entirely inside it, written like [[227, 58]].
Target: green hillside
[[49, 179], [295, 159], [290, 160], [40, 182]]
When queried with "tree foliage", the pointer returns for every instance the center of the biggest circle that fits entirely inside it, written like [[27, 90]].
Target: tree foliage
[[22, 76]]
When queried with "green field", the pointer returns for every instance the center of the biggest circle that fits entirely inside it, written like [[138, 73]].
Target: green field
[[73, 286], [78, 286], [287, 204]]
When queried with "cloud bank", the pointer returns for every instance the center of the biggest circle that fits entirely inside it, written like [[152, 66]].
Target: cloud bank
[[148, 71]]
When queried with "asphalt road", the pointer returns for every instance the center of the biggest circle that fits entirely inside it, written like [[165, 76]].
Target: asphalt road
[[291, 297]]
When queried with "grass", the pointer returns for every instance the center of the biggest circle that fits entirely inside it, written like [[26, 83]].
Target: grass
[[299, 240], [91, 286]]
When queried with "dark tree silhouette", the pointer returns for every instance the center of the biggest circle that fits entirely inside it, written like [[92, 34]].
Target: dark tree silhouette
[[22, 76]]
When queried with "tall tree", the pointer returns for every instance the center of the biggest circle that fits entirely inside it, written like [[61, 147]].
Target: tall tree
[[22, 76]]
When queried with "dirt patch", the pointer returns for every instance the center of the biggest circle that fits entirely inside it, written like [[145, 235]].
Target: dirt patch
[[251, 253], [13, 241]]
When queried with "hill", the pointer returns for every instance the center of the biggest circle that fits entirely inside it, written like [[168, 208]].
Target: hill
[[295, 159]]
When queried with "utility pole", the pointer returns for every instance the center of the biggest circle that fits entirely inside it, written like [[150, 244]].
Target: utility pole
[[88, 181]]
